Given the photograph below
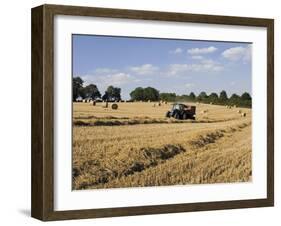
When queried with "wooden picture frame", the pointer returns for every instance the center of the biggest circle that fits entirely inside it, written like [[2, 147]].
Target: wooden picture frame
[[42, 203]]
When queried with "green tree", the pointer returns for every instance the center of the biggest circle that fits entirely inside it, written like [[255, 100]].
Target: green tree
[[234, 96], [202, 96], [91, 91], [234, 100], [145, 94], [192, 96], [246, 100], [116, 94], [112, 94], [246, 96], [213, 97], [137, 94], [77, 88], [168, 96], [150, 93], [105, 96], [223, 97]]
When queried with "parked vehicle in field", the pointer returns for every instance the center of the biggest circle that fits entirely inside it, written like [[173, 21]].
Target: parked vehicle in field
[[182, 111]]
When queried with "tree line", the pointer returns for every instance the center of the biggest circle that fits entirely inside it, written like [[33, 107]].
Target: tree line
[[245, 100], [91, 91], [151, 94]]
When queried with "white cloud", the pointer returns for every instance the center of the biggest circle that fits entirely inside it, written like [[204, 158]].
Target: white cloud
[[197, 57], [119, 79], [177, 51], [206, 50], [145, 69], [175, 69], [202, 66], [211, 65], [103, 79], [238, 53]]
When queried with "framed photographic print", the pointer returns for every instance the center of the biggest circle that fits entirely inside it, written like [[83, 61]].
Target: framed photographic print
[[141, 112]]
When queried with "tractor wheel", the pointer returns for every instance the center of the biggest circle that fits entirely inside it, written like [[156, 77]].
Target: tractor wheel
[[184, 116], [177, 115], [168, 114]]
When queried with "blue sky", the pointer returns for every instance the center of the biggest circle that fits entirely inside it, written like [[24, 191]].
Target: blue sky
[[179, 66]]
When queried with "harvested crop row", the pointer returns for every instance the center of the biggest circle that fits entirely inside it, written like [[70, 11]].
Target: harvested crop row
[[215, 162], [99, 160]]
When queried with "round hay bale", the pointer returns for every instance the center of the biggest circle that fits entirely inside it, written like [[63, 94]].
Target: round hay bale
[[243, 114], [166, 102], [154, 105], [114, 106], [211, 103], [94, 103], [159, 104], [239, 111]]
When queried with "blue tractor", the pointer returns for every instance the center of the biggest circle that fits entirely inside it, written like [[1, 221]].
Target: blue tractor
[[182, 111]]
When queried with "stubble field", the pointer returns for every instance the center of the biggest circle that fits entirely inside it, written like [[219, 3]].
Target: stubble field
[[136, 145]]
